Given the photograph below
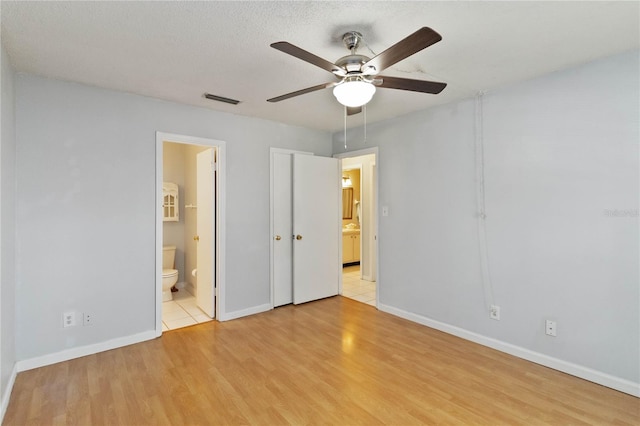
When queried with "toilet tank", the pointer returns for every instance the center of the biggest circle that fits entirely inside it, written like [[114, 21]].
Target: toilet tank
[[168, 257]]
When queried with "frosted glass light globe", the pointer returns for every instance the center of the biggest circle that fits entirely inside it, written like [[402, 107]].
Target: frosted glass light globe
[[354, 93]]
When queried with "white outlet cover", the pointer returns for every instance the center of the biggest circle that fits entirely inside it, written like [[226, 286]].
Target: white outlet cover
[[494, 312], [550, 328], [69, 319]]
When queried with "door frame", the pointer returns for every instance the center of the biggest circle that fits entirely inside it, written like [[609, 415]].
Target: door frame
[[220, 195], [273, 151], [374, 243]]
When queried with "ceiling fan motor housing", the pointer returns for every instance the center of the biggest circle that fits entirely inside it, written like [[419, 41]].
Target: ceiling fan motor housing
[[352, 63]]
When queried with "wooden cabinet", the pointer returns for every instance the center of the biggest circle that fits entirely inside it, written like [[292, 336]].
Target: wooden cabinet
[[351, 246], [170, 207]]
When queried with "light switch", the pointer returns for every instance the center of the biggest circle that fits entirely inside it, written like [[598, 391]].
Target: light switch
[[385, 210]]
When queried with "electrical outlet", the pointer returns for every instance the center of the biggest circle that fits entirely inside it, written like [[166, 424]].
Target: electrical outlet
[[494, 312], [550, 328], [87, 319], [68, 319]]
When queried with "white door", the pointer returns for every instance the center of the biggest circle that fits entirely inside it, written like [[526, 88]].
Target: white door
[[282, 230], [205, 226], [316, 227]]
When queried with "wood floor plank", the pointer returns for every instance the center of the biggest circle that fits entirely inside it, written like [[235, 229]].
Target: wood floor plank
[[333, 361]]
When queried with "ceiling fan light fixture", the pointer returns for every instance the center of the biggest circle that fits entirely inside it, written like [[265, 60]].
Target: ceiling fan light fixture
[[354, 93]]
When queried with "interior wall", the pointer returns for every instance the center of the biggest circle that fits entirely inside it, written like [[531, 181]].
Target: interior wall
[[562, 198], [7, 228], [86, 227], [173, 233]]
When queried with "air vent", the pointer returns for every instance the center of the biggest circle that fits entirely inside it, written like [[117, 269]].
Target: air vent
[[221, 99]]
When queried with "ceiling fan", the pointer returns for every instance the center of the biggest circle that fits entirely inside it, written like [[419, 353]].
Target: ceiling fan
[[358, 76]]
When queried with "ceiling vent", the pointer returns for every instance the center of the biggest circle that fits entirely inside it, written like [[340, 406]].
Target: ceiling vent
[[221, 99]]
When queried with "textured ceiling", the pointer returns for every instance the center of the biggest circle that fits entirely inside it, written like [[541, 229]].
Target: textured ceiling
[[179, 50]]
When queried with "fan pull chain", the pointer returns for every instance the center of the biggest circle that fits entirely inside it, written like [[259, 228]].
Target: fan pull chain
[[364, 110], [345, 128]]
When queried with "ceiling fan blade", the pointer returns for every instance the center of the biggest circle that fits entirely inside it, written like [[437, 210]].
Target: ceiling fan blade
[[292, 50], [423, 86], [406, 47], [301, 92], [354, 110]]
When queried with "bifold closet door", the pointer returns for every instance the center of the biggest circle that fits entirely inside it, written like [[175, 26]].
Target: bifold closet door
[[283, 230], [316, 227]]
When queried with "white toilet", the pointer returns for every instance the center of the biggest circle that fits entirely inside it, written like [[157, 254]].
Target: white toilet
[[169, 275]]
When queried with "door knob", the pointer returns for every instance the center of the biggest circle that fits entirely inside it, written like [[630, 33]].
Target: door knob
[[298, 237], [278, 237], [196, 238]]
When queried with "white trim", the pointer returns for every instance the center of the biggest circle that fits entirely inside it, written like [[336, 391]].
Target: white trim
[[358, 153], [373, 213], [339, 230], [221, 146], [580, 371], [6, 397], [80, 351], [159, 222], [221, 229], [246, 312], [273, 151]]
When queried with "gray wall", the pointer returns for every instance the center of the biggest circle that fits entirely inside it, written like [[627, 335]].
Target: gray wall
[[561, 156], [7, 225], [86, 207]]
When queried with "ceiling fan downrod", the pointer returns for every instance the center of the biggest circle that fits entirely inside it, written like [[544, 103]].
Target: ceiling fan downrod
[[352, 40]]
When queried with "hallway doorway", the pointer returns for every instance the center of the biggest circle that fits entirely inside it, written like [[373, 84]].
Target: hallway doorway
[[360, 225]]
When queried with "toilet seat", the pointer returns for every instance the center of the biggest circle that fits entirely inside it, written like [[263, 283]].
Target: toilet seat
[[169, 273]]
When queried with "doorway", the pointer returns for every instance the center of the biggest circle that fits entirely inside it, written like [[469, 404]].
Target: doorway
[[360, 226], [197, 232]]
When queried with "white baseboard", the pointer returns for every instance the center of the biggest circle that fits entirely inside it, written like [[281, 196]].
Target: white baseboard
[[580, 371], [66, 355], [245, 312], [190, 288], [6, 396]]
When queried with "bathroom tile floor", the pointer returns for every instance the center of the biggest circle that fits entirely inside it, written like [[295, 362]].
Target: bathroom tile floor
[[182, 311], [355, 288]]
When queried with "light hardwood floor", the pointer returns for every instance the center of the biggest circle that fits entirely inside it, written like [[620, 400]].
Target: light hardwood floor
[[334, 361]]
